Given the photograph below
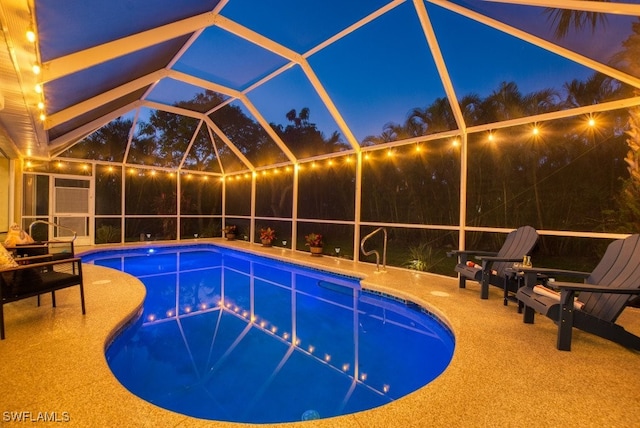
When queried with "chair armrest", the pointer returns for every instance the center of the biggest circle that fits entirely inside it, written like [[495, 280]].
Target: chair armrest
[[43, 264], [572, 286], [470, 253], [31, 259], [499, 259]]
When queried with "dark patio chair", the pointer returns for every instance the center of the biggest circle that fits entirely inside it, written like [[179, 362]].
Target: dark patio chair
[[605, 293], [56, 249], [32, 279], [491, 265]]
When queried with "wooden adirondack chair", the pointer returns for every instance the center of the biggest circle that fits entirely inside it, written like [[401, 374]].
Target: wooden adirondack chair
[[491, 265], [606, 292]]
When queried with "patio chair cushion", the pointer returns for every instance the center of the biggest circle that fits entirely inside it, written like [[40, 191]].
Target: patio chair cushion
[[544, 291], [6, 260]]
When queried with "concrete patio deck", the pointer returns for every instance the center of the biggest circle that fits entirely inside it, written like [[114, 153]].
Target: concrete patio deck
[[503, 373]]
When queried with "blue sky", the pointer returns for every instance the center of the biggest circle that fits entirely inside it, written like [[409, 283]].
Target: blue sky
[[375, 75]]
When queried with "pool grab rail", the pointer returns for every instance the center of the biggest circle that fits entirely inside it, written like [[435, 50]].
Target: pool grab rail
[[384, 249], [75, 234]]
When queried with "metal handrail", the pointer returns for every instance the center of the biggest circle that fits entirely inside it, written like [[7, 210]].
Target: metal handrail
[[384, 249], [75, 234]]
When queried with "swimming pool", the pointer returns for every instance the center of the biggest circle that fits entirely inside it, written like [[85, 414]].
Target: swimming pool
[[230, 336]]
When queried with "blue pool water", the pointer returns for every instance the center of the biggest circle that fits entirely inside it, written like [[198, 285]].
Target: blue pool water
[[234, 337]]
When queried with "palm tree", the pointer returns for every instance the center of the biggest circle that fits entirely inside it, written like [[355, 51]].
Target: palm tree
[[505, 102], [437, 117], [596, 89], [565, 19]]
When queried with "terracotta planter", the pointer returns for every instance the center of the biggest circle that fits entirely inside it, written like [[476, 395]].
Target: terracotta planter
[[266, 242], [230, 236], [316, 251]]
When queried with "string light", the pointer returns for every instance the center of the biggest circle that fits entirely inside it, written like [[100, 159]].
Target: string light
[[31, 36], [490, 137], [535, 130]]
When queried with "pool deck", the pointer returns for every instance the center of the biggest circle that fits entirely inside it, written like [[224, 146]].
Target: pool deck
[[503, 373]]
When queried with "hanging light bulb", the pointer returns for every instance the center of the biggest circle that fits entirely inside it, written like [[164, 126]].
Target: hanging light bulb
[[535, 130], [31, 36]]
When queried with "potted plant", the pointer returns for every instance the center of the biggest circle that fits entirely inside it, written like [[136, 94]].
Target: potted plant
[[314, 242], [267, 236], [230, 232]]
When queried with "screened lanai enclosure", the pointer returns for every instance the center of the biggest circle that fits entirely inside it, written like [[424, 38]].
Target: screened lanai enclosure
[[448, 123]]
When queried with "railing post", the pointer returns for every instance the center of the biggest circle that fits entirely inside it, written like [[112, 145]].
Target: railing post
[[384, 249]]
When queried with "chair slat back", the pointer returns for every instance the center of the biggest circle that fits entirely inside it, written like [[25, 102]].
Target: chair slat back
[[518, 243], [619, 268]]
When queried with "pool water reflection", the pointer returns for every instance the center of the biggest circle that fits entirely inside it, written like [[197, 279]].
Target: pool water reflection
[[235, 337]]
